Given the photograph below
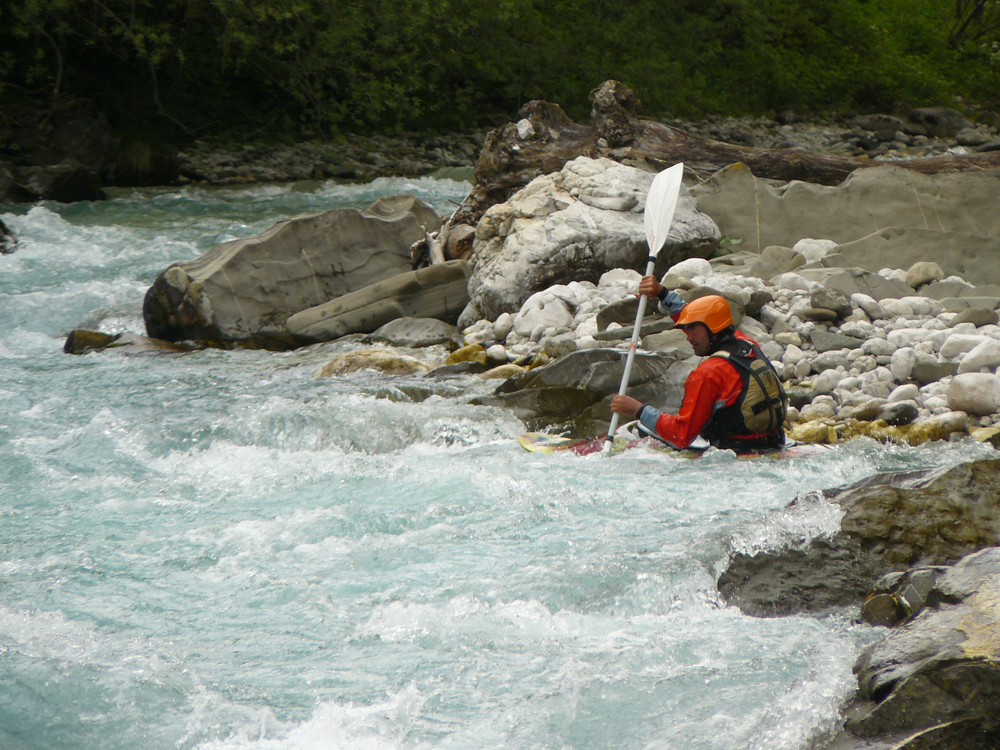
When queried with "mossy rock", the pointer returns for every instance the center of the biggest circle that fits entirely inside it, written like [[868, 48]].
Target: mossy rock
[[470, 353]]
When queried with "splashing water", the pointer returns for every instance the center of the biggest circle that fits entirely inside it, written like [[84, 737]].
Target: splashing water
[[220, 550]]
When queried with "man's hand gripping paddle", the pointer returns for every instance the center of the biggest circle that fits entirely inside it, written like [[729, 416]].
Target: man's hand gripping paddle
[[659, 214]]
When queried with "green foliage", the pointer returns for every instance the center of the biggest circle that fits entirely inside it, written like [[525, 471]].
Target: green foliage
[[303, 67]]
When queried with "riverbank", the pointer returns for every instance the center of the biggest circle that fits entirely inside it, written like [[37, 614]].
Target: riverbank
[[81, 155], [354, 158], [366, 157]]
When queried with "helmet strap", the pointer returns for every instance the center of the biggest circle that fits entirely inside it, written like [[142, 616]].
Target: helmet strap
[[716, 340]]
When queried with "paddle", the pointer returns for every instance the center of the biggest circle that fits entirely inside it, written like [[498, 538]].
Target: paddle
[[659, 214]]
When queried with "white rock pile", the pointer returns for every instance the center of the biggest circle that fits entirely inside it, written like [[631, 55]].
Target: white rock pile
[[915, 363]]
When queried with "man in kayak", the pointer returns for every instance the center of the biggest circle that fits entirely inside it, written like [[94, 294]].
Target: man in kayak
[[733, 399]]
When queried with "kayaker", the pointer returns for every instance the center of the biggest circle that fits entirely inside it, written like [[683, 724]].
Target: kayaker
[[733, 398]]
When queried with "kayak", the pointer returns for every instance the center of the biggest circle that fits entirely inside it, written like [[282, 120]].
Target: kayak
[[542, 442]]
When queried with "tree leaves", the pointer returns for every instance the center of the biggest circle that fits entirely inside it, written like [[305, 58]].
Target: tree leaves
[[319, 66]]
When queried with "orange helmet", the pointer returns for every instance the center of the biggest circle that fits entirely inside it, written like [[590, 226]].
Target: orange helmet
[[711, 310]]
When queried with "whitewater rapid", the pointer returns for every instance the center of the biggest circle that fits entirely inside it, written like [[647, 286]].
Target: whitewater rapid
[[222, 550]]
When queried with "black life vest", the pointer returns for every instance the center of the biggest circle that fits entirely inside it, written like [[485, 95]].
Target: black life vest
[[760, 408]]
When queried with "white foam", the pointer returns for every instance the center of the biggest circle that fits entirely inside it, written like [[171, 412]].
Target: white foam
[[380, 725]]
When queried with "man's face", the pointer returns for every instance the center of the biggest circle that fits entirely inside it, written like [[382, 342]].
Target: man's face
[[699, 338]]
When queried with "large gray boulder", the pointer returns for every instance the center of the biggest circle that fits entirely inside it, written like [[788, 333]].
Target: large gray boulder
[[890, 522], [573, 225], [897, 216], [439, 291], [242, 292]]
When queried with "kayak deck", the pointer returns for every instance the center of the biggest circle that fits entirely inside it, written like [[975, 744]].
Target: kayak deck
[[541, 442]]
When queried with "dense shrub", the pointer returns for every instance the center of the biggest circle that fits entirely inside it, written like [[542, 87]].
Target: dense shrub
[[301, 67]]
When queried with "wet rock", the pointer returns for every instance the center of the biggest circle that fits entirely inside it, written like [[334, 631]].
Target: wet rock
[[572, 394], [501, 372], [815, 578], [937, 678], [900, 412], [8, 242], [891, 522], [896, 597], [81, 341], [472, 353], [382, 360]]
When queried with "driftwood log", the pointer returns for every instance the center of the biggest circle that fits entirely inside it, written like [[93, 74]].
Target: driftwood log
[[544, 138]]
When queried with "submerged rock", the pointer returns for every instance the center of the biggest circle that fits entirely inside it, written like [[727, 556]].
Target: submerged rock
[[81, 341], [67, 182], [383, 360], [8, 242]]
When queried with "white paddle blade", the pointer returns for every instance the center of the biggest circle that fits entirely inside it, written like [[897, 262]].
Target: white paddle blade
[[661, 202]]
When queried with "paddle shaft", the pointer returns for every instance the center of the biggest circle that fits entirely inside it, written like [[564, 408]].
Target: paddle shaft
[[657, 216], [632, 346]]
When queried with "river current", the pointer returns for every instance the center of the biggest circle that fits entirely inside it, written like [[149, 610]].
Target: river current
[[223, 551]]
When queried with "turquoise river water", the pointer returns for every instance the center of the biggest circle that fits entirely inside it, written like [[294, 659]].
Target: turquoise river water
[[223, 551]]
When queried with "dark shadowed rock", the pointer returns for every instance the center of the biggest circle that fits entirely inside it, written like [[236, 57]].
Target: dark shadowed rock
[[900, 412], [937, 122], [52, 131], [66, 182], [8, 242]]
